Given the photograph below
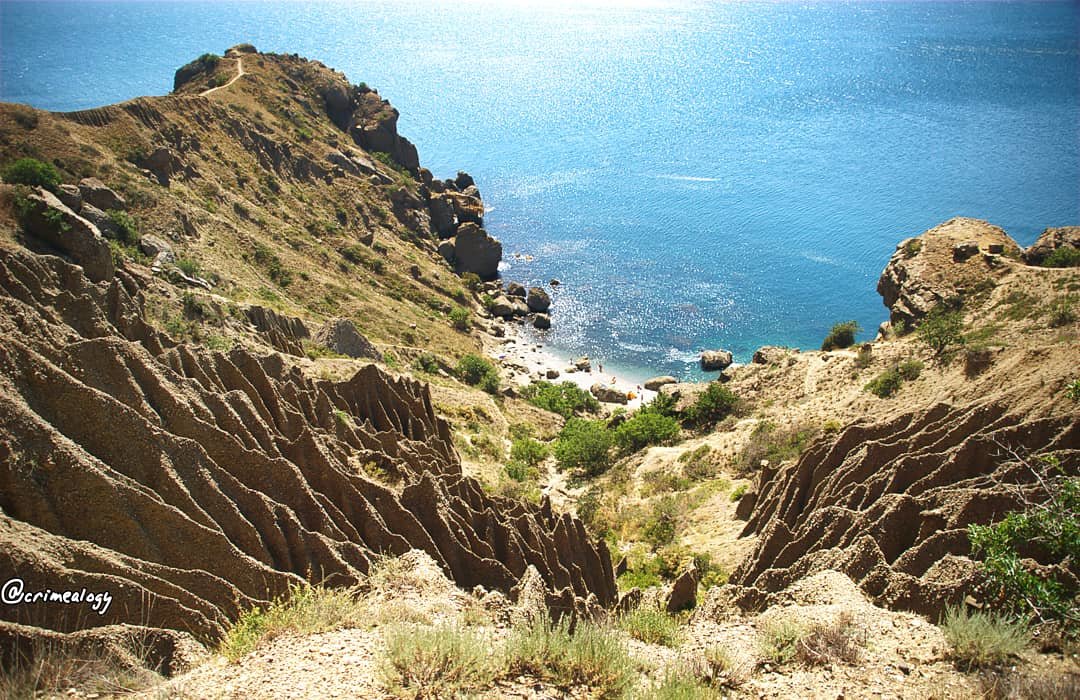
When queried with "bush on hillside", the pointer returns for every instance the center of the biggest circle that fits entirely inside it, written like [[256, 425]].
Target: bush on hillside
[[715, 403], [529, 451], [885, 384], [979, 639], [1065, 256], [941, 329], [584, 444], [645, 428], [566, 398], [841, 336], [32, 172], [476, 371], [459, 317]]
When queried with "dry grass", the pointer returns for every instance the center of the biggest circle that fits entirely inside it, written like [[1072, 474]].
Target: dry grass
[[437, 662], [980, 640], [718, 669], [54, 669], [838, 642]]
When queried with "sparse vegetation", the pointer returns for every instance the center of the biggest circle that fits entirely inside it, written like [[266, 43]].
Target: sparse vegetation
[[738, 492], [1062, 311], [566, 398], [979, 639], [460, 318], [188, 266], [1065, 256], [304, 610], [32, 172], [645, 428], [652, 626], [842, 335], [127, 229], [909, 370], [772, 443], [436, 662], [839, 641], [885, 384], [778, 641], [941, 329]]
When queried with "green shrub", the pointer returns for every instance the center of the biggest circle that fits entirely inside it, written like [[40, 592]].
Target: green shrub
[[189, 267], [941, 329], [304, 610], [778, 640], [593, 656], [713, 404], [584, 444], [652, 626], [645, 428], [1048, 531], [476, 371], [660, 527], [738, 492], [426, 362], [775, 444], [1065, 256], [520, 471], [680, 685], [885, 384], [32, 172], [699, 464], [910, 369], [436, 662], [566, 398], [127, 228], [842, 335], [459, 317], [531, 452], [1072, 390], [471, 280], [978, 639], [1062, 311]]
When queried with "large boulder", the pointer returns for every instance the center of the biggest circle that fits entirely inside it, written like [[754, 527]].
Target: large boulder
[[771, 354], [467, 209], [70, 196], [341, 336], [542, 321], [447, 250], [163, 163], [1050, 240], [608, 394], [656, 383], [538, 300], [513, 289], [684, 591], [49, 220], [96, 193], [716, 360], [476, 252], [501, 307], [442, 215], [101, 220]]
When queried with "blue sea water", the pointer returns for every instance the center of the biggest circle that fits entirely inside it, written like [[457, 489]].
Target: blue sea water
[[698, 174]]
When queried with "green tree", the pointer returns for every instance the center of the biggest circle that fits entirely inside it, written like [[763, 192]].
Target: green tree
[[941, 329], [584, 444], [842, 335], [33, 172]]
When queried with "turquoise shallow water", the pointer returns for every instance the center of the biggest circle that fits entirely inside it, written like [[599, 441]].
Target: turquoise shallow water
[[698, 174]]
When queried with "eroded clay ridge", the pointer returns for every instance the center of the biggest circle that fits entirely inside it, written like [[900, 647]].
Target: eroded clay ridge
[[192, 484], [888, 503]]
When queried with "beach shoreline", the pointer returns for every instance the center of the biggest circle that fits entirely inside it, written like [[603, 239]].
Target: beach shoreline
[[526, 361]]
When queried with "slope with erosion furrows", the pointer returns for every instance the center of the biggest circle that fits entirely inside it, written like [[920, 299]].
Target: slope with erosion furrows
[[192, 484], [889, 498]]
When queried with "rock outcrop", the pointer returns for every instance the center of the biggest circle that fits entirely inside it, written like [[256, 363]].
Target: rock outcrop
[[477, 252], [50, 221], [191, 484], [608, 394], [941, 264], [716, 360]]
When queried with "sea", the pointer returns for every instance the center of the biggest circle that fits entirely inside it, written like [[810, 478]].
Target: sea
[[696, 174]]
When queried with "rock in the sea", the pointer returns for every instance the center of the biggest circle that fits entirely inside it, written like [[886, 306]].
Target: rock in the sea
[[477, 252], [518, 307], [1050, 240], [49, 220], [684, 592], [513, 289], [583, 364], [715, 360], [501, 307], [655, 383], [464, 180], [467, 209], [607, 394], [538, 300], [552, 374], [96, 193], [542, 321], [341, 336]]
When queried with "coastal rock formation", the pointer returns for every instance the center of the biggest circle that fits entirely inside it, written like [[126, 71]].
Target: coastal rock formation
[[927, 270], [608, 394], [1050, 240], [477, 252], [192, 484], [538, 300], [655, 383]]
